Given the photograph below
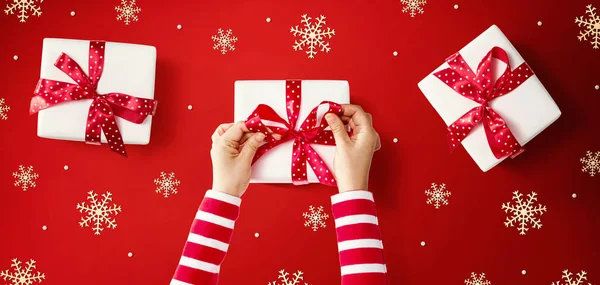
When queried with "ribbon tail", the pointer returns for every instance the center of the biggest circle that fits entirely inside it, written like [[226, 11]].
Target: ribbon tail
[[461, 128], [501, 140], [299, 154], [319, 167]]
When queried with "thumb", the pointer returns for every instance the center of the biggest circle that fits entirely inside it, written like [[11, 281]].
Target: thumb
[[337, 127], [251, 145]]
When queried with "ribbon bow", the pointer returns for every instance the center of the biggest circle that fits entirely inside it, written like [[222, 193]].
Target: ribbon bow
[[104, 107], [479, 88], [312, 131]]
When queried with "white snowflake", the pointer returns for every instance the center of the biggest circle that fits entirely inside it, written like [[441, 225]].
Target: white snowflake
[[413, 6], [477, 279], [25, 177], [567, 276], [591, 163], [224, 41], [3, 109], [438, 195], [22, 275], [313, 35], [98, 212], [285, 280], [591, 27], [166, 184], [524, 212], [315, 218], [128, 11], [23, 7]]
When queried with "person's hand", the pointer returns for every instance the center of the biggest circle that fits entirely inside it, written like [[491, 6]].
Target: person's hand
[[232, 152], [353, 155]]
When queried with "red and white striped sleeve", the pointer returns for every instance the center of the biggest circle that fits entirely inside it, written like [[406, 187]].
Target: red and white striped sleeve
[[359, 239], [208, 240]]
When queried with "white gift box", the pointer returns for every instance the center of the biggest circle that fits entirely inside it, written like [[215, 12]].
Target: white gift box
[[128, 69], [527, 110], [275, 165]]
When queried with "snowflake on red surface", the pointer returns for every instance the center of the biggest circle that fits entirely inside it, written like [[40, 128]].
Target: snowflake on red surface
[[284, 278], [224, 41], [22, 275], [167, 184], [23, 7], [413, 6], [568, 278], [524, 212], [3, 109], [98, 212], [591, 163], [312, 35], [25, 177], [591, 27], [128, 11], [477, 280], [438, 195], [315, 218]]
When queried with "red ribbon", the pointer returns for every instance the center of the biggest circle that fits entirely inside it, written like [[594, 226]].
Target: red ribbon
[[479, 88], [104, 107], [312, 131]]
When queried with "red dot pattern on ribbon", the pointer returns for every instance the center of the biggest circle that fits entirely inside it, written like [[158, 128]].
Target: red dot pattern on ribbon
[[481, 89], [104, 107], [309, 132]]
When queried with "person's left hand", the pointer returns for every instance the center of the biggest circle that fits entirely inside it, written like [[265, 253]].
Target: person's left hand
[[232, 152]]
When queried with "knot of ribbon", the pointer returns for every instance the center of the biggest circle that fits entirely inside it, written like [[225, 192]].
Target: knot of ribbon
[[311, 131], [104, 107], [480, 88]]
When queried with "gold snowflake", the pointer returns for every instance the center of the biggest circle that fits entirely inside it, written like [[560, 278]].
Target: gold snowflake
[[524, 212], [284, 278], [312, 35], [128, 11], [568, 278], [315, 218], [3, 109], [413, 7], [98, 212], [591, 27], [25, 177], [477, 279], [224, 41], [438, 195], [166, 184], [23, 7], [591, 163], [22, 275]]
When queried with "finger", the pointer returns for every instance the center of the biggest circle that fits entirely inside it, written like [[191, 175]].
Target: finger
[[338, 128], [245, 137], [235, 132], [378, 143], [221, 129], [250, 147], [357, 114]]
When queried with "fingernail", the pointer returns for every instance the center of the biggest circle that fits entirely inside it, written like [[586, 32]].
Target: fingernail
[[260, 137]]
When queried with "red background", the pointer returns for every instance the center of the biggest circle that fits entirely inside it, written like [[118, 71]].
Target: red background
[[466, 236]]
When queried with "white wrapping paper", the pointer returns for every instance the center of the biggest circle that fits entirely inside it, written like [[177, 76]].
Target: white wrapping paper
[[527, 110], [275, 165], [128, 69]]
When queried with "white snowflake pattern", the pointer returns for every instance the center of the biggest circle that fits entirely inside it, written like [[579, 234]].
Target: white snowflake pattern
[[312, 35], [438, 195], [591, 163], [128, 11], [3, 109], [413, 6], [284, 278], [22, 275], [315, 218], [524, 212], [591, 27], [98, 212], [477, 279], [224, 41], [167, 184], [25, 177], [568, 278], [23, 7]]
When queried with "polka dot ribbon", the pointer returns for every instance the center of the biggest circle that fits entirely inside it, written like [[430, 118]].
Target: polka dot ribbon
[[104, 107], [311, 131], [480, 88]]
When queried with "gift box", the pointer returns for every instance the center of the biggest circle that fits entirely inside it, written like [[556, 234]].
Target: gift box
[[65, 99], [516, 104], [281, 164]]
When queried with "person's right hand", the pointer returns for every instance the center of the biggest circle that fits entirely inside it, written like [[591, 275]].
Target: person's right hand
[[353, 155]]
